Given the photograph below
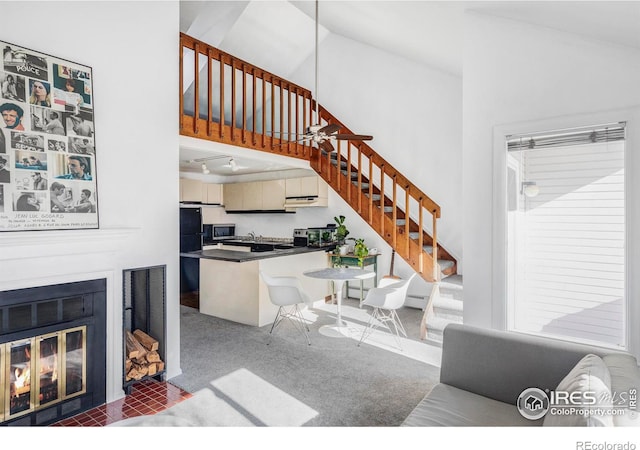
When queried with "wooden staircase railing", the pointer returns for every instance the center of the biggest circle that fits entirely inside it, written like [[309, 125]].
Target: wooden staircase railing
[[225, 99]]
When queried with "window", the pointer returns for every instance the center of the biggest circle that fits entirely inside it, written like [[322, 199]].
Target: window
[[566, 234]]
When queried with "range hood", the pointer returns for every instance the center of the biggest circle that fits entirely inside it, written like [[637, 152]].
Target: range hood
[[307, 200]]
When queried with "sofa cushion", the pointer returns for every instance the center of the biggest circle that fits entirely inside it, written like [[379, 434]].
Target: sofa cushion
[[625, 382], [449, 406], [589, 375]]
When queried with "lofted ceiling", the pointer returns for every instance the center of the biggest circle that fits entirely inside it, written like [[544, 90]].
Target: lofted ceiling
[[279, 35]]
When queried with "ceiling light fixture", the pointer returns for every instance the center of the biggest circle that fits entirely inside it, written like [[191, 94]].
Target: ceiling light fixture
[[529, 189], [205, 169], [234, 166]]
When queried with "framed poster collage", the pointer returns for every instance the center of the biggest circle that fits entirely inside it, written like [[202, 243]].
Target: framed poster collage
[[47, 143]]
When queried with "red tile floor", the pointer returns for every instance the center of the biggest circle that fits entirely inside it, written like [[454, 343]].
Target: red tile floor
[[147, 397]]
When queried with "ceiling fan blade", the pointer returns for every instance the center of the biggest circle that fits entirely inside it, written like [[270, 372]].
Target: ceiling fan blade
[[326, 146], [352, 137], [329, 129]]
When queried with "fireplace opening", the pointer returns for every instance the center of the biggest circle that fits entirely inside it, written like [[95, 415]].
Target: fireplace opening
[[144, 325], [52, 352]]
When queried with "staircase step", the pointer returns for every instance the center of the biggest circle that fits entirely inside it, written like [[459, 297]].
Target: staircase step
[[401, 222], [436, 326], [448, 308], [354, 175], [445, 264], [363, 186], [376, 197], [414, 235]]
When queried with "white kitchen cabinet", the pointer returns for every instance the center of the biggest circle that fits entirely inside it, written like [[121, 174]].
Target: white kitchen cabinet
[[190, 190], [255, 196], [306, 192], [306, 187], [212, 193], [233, 194], [252, 196], [273, 195]]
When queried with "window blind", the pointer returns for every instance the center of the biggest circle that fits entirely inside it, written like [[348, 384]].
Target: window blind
[[562, 138]]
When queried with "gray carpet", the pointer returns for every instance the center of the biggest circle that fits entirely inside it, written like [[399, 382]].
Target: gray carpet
[[332, 382]]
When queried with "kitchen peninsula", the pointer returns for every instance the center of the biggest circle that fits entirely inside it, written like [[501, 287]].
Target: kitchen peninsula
[[230, 283]]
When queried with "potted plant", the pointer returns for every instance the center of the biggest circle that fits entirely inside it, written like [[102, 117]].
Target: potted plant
[[341, 230], [360, 250]]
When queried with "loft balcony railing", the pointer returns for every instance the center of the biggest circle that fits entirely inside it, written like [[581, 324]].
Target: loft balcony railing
[[225, 99]]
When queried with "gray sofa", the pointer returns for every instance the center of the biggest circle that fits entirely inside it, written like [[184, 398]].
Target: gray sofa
[[484, 371]]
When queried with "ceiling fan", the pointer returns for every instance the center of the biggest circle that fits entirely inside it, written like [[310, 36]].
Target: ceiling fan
[[322, 135]]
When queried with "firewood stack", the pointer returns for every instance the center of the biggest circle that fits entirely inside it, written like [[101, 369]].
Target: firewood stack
[[142, 356]]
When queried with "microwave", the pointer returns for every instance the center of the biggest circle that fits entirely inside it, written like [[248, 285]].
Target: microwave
[[218, 231]]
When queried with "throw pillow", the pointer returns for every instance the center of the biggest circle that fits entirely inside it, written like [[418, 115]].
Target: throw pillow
[[591, 376]]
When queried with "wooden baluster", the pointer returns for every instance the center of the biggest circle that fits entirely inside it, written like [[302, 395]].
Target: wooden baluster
[[304, 123], [264, 109], [209, 92], [370, 189], [339, 162], [196, 88], [435, 248], [233, 100], [273, 111], [253, 106], [349, 172], [281, 114], [406, 217], [394, 217], [382, 200], [222, 64], [421, 237], [297, 130], [359, 180], [289, 118], [244, 103]]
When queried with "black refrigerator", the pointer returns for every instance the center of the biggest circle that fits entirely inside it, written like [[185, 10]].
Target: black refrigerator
[[190, 240]]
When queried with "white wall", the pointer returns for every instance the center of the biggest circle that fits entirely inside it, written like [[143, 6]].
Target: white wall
[[413, 112], [132, 48], [521, 77]]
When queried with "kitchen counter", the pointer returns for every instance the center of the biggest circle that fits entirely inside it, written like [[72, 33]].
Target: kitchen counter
[[236, 292], [240, 256]]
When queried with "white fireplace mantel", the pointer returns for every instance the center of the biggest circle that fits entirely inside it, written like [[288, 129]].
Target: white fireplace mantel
[[41, 258], [30, 244]]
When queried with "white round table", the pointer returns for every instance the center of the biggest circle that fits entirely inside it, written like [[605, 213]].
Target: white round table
[[339, 275]]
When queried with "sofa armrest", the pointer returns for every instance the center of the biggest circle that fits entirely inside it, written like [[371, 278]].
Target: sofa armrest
[[501, 364]]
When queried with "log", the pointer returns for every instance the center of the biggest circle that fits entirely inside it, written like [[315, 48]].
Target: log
[[160, 366], [127, 365], [134, 374], [134, 348], [147, 341], [153, 357], [152, 369]]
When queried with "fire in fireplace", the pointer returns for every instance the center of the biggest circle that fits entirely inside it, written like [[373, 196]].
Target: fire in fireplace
[[46, 334]]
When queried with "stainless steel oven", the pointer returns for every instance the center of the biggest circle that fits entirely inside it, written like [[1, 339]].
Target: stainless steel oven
[[218, 231]]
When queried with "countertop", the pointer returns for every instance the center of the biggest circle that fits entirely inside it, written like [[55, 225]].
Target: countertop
[[239, 256]]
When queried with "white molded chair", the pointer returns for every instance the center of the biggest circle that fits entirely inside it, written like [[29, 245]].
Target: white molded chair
[[288, 295], [385, 300]]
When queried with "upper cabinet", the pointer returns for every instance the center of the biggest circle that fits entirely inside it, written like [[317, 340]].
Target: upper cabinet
[[233, 195], [255, 196], [195, 191], [190, 190], [212, 193], [273, 195], [306, 191]]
